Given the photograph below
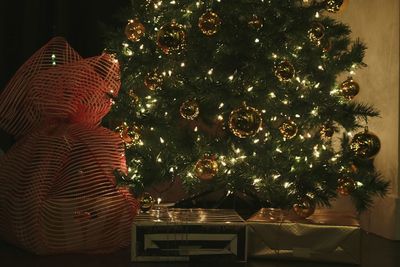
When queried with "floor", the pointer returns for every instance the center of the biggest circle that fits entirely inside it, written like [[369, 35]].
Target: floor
[[376, 251]]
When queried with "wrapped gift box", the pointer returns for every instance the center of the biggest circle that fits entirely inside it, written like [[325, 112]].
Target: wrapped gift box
[[326, 236], [179, 234]]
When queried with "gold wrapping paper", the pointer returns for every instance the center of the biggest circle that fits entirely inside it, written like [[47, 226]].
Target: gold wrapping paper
[[326, 236]]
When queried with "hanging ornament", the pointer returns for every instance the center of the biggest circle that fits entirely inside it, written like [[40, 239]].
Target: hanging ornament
[[327, 130], [365, 145], [346, 185], [245, 121], [304, 208], [288, 129], [189, 109], [171, 38], [256, 22], [349, 88], [209, 23], [134, 30], [153, 81], [206, 168], [317, 32], [129, 134], [284, 71], [146, 202], [335, 6]]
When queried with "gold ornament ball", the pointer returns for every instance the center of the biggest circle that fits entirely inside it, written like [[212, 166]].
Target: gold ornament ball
[[349, 88], [365, 145], [335, 6], [284, 71], [134, 30], [171, 38], [304, 208], [245, 122], [317, 32], [153, 81], [346, 185], [209, 23], [189, 109], [256, 22], [206, 168], [288, 129], [129, 134], [146, 202]]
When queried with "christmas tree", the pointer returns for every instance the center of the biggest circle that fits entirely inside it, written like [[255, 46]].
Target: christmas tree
[[245, 96]]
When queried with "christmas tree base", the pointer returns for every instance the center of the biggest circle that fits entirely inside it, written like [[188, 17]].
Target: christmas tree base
[[245, 204]]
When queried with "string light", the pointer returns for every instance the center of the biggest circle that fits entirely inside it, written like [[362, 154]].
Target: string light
[[53, 59]]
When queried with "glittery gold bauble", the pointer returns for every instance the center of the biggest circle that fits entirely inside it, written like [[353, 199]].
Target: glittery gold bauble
[[129, 134], [317, 32], [189, 109], [284, 71], [288, 129], [153, 81], [209, 23], [256, 22], [346, 185], [206, 168], [245, 121], [365, 145], [171, 38], [335, 6], [304, 208], [327, 131], [349, 88], [134, 30], [146, 202]]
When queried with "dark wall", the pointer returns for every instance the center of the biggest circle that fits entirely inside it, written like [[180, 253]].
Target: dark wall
[[26, 25]]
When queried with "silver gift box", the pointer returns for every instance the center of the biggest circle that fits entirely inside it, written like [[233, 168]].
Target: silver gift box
[[179, 234], [326, 236]]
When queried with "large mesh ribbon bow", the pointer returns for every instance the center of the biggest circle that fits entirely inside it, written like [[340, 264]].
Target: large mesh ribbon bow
[[57, 189]]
